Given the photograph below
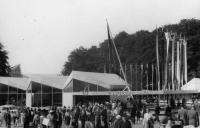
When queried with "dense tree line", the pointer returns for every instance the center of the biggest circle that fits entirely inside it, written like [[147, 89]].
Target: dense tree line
[[138, 48], [4, 65]]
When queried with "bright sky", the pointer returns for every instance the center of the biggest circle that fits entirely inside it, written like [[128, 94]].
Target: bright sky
[[40, 34]]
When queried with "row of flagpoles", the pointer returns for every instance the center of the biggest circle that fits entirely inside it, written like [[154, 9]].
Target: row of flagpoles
[[170, 75], [169, 72]]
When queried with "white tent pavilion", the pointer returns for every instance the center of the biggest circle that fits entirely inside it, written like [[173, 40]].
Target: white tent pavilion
[[193, 85]]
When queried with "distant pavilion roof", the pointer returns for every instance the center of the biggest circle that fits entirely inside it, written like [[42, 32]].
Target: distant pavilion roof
[[106, 80], [55, 81], [17, 82], [194, 84]]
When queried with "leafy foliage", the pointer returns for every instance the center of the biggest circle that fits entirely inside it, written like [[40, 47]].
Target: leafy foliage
[[4, 65], [138, 48]]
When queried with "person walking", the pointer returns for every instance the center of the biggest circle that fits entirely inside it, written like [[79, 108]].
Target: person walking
[[148, 120], [36, 120], [1, 118], [193, 117], [157, 112], [183, 116], [59, 118], [67, 118], [126, 121], [118, 122], [51, 118], [7, 118]]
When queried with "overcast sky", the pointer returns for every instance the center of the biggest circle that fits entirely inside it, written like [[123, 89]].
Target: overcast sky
[[40, 34]]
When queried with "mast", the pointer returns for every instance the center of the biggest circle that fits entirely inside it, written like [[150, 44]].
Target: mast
[[152, 69], [113, 43], [157, 60], [185, 59], [141, 76], [178, 67], [173, 41], [166, 62]]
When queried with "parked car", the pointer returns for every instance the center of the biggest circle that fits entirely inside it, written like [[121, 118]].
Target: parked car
[[4, 108]]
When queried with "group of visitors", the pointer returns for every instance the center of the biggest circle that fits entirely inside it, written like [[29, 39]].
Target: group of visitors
[[114, 114], [189, 116], [92, 115], [180, 115]]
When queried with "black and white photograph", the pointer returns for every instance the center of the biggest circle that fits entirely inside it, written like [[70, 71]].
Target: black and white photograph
[[99, 64]]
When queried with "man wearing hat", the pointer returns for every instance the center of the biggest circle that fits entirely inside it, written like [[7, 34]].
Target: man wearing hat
[[50, 116], [126, 122], [118, 122]]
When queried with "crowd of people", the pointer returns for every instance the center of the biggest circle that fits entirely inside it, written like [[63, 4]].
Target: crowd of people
[[91, 115], [114, 114]]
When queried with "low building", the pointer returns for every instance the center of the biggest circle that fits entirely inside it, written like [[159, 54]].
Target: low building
[[13, 90], [90, 86], [54, 90]]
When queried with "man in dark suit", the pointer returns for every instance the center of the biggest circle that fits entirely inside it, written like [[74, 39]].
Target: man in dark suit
[[7, 118], [193, 117], [183, 116], [118, 122]]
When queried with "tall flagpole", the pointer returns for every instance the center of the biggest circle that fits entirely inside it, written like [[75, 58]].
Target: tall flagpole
[[185, 59], [173, 41], [178, 67], [141, 76], [122, 69], [157, 60], [131, 72], [181, 63], [125, 70], [152, 74], [136, 77], [147, 77], [166, 61]]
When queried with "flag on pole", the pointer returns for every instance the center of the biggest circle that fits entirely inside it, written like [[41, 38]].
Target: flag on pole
[[147, 67], [181, 63], [166, 61], [131, 72], [141, 76], [178, 66], [185, 59], [136, 83], [157, 60], [152, 67], [173, 41], [118, 58]]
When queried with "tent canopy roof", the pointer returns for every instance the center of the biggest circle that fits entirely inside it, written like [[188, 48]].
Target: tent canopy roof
[[194, 84], [16, 82], [54, 81], [106, 80]]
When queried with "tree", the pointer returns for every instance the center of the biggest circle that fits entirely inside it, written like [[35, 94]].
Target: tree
[[4, 65], [83, 59], [138, 48]]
